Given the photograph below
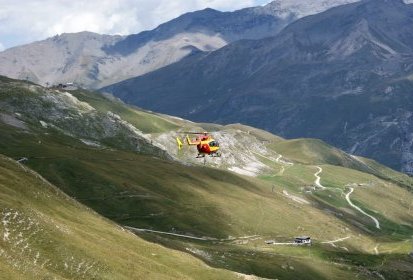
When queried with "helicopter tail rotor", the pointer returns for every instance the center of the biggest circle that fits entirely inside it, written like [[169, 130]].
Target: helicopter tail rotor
[[190, 142], [179, 142]]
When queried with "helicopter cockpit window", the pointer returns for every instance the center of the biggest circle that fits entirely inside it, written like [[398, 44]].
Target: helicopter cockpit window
[[213, 144]]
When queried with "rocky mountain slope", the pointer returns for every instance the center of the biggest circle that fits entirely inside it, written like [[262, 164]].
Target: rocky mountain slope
[[61, 111], [263, 188], [343, 76], [94, 60], [298, 8]]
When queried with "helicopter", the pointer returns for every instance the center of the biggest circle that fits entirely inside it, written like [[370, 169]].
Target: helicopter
[[204, 142]]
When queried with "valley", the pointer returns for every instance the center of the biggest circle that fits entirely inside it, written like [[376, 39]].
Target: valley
[[268, 142], [277, 190]]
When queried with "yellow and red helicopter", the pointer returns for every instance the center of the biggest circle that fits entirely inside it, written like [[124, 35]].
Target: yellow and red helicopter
[[204, 142]]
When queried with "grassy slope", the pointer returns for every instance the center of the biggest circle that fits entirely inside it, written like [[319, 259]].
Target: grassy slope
[[314, 151], [305, 151], [131, 188], [146, 192], [46, 234], [145, 121]]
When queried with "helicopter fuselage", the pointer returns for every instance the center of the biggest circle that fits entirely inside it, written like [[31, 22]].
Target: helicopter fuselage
[[205, 145], [208, 147]]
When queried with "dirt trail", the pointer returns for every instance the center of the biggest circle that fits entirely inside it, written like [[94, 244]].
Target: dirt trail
[[295, 198], [318, 178], [250, 237], [361, 210], [278, 160], [333, 242], [337, 240], [169, 233], [318, 184], [376, 249]]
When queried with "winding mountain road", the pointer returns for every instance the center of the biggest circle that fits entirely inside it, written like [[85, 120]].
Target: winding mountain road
[[318, 184], [361, 210], [278, 160], [318, 178]]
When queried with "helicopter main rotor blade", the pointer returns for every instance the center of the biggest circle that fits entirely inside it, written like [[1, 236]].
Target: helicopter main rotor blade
[[191, 132]]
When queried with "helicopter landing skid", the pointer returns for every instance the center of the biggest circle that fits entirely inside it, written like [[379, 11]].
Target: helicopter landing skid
[[211, 155]]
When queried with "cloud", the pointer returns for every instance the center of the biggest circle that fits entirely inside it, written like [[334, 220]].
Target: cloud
[[1, 47], [25, 21]]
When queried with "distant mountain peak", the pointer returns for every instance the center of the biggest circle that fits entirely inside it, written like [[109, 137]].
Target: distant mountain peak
[[299, 8], [389, 1], [211, 10], [394, 2]]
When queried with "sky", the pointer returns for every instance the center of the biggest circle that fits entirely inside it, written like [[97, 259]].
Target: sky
[[25, 21]]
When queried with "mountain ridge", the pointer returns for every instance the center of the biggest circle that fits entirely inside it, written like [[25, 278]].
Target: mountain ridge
[[345, 70], [101, 60]]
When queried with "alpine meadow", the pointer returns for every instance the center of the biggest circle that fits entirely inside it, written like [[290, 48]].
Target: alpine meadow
[[268, 142]]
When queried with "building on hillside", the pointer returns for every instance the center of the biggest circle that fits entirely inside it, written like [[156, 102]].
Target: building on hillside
[[302, 240], [66, 86]]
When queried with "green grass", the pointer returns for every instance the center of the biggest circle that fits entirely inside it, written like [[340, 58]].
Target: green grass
[[147, 192], [310, 151], [142, 191], [261, 135], [45, 234], [316, 152], [144, 121], [280, 262]]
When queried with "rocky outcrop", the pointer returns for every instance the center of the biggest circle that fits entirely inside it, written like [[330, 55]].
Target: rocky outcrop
[[34, 108]]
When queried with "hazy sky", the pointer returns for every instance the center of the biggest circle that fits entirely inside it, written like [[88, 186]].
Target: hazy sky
[[25, 21]]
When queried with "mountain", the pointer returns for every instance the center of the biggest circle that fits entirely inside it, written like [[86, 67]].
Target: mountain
[[263, 188], [60, 59], [298, 9], [93, 60], [344, 76]]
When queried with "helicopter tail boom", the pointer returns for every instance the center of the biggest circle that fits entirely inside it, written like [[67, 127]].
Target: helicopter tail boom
[[190, 142]]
